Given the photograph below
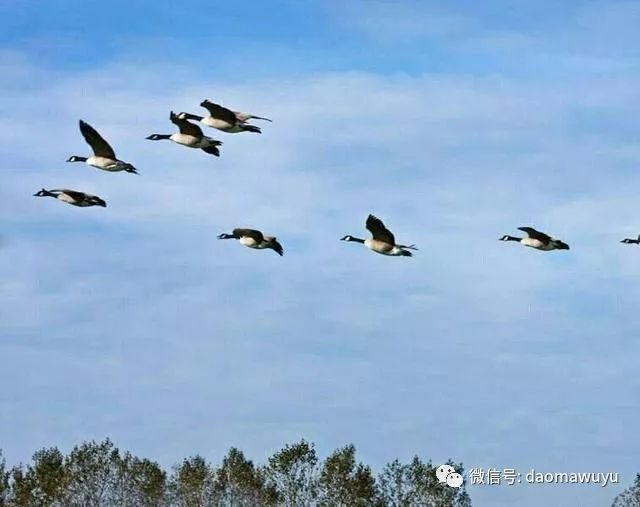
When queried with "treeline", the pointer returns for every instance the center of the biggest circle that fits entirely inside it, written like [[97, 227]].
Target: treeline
[[98, 474]]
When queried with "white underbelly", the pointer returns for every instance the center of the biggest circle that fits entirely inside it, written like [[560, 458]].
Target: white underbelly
[[379, 247], [66, 198], [536, 243], [218, 124], [186, 140], [250, 242], [106, 164]]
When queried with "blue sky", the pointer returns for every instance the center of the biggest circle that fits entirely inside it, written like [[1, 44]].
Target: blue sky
[[455, 124]]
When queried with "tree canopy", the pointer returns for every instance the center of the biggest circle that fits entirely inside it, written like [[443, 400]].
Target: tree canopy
[[98, 474]]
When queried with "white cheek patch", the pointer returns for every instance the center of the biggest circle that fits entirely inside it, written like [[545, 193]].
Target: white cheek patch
[[443, 471]]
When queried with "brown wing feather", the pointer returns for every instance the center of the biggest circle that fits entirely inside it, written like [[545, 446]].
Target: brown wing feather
[[533, 234], [379, 231], [99, 146], [185, 126], [219, 112], [275, 245]]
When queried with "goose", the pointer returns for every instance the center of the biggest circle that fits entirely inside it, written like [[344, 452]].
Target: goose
[[383, 241], [630, 241], [72, 197], [254, 239], [190, 135], [225, 119], [103, 155], [538, 240]]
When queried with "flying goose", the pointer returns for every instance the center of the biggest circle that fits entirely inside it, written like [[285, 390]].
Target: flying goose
[[190, 135], [73, 197], [103, 155], [254, 239], [630, 241], [225, 119], [382, 241], [538, 240]]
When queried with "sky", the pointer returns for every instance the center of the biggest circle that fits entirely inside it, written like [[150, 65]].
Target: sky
[[454, 123]]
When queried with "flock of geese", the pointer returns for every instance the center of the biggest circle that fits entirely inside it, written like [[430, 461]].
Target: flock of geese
[[189, 134]]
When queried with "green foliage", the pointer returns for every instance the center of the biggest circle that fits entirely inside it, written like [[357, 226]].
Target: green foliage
[[629, 497], [416, 484], [191, 484], [4, 482], [292, 473], [345, 483], [98, 474], [239, 484], [48, 477]]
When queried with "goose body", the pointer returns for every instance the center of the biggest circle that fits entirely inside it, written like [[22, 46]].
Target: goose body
[[253, 238], [382, 240], [538, 240], [630, 241], [73, 197], [225, 119], [103, 155], [189, 135]]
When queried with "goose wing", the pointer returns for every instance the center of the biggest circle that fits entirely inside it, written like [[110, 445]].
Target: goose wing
[[275, 245], [99, 146], [379, 231], [219, 112], [533, 234], [74, 194], [185, 126], [249, 233]]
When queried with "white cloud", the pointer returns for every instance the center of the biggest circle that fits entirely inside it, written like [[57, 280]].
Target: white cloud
[[237, 339]]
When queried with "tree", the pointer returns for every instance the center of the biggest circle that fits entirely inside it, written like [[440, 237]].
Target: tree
[[394, 486], [629, 497], [192, 483], [21, 488], [416, 485], [292, 472], [139, 482], [150, 482], [98, 474], [47, 477], [94, 475], [343, 483], [238, 483], [4, 482]]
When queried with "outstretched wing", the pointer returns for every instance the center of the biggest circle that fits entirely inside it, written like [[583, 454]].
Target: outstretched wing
[[212, 150], [533, 234], [275, 245], [249, 233], [99, 146], [219, 112], [379, 231], [185, 126]]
